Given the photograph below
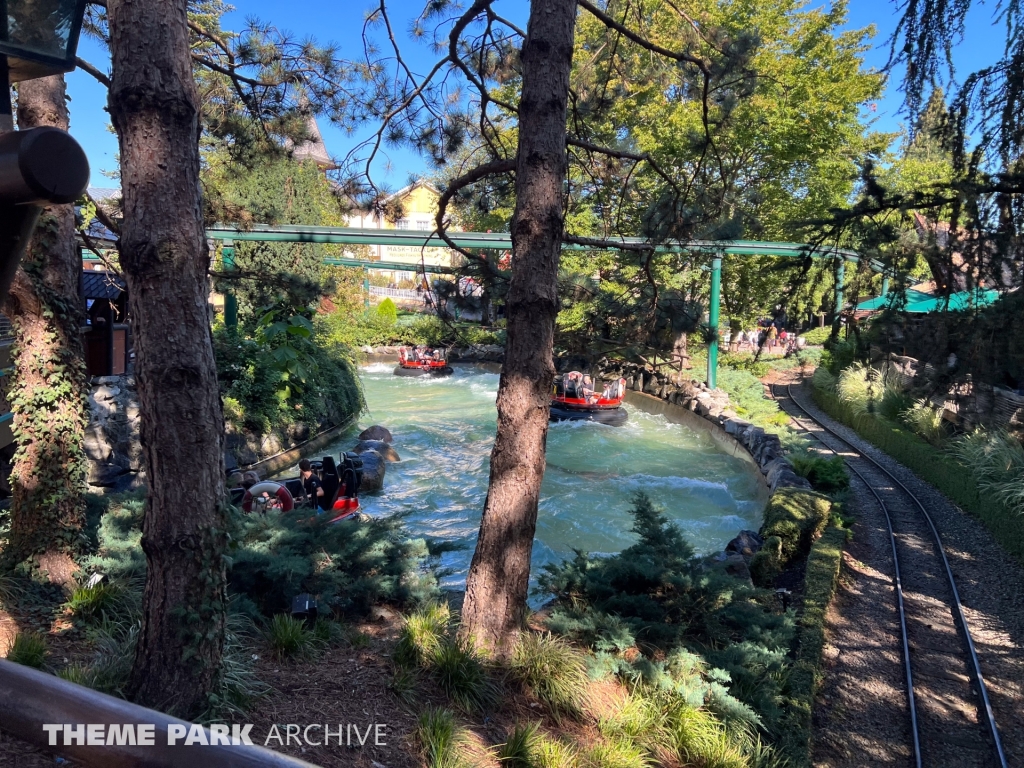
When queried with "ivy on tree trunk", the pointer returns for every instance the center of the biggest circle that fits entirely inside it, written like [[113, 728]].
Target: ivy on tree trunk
[[47, 391], [496, 588], [163, 252]]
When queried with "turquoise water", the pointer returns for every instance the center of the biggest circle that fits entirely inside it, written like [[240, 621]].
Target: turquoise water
[[444, 429]]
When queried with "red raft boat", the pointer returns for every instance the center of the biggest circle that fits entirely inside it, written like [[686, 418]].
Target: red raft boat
[[422, 361], [575, 400]]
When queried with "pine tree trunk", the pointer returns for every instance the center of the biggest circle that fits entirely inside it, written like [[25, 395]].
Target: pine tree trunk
[[49, 381], [496, 589], [154, 107]]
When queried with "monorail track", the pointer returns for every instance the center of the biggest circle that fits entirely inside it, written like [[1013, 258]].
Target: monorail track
[[951, 719]]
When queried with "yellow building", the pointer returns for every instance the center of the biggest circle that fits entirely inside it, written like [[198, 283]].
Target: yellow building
[[418, 203]]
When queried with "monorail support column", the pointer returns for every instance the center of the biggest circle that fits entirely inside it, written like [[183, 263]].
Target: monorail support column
[[716, 290], [840, 298], [227, 256], [366, 287]]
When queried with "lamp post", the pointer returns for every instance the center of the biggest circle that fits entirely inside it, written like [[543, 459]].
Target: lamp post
[[38, 38]]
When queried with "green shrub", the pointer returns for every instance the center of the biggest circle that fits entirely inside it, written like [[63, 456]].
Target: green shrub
[[28, 649], [657, 596], [553, 671], [797, 517], [817, 335], [839, 355], [387, 312], [351, 565], [820, 581], [826, 475]]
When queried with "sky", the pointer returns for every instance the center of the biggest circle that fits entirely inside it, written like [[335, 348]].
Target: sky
[[341, 23]]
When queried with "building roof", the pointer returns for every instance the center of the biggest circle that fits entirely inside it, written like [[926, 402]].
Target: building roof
[[102, 285], [918, 302], [313, 148]]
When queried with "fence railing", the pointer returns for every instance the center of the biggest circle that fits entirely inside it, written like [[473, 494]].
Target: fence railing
[[78, 717], [396, 293]]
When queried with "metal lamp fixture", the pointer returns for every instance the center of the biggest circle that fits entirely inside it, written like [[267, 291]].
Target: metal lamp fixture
[[40, 37], [40, 166]]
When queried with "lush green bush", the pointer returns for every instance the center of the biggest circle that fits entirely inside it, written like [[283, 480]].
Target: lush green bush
[[817, 335], [387, 312], [746, 395], [656, 596], [797, 517], [350, 566], [826, 475], [259, 397]]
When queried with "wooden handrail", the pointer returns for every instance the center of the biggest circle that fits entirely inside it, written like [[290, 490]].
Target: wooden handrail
[[30, 698]]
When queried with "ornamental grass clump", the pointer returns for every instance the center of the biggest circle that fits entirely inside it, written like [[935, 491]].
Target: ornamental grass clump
[[925, 420], [460, 673], [423, 633], [854, 388], [289, 637], [996, 460], [553, 671], [442, 742], [28, 649]]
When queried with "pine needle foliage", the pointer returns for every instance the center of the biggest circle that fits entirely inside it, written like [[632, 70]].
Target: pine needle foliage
[[720, 639], [350, 566]]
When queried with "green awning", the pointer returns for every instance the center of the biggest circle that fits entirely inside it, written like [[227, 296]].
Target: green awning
[[918, 302]]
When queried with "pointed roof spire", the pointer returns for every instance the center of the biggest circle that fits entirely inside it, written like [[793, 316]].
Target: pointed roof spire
[[313, 148]]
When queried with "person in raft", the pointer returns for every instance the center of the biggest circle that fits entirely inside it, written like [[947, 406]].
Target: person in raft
[[313, 491], [588, 390]]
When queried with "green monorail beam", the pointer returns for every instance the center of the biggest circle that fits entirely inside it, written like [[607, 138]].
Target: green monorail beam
[[503, 241]]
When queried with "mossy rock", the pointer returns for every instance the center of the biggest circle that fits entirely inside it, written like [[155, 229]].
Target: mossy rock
[[797, 517]]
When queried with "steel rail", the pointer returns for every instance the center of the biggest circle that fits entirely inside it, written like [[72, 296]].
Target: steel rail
[[957, 605], [898, 578]]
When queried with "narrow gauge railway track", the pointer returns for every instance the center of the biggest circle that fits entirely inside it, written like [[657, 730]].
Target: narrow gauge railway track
[[951, 719]]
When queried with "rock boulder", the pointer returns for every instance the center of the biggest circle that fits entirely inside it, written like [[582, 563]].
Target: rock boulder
[[746, 544], [382, 448], [377, 432], [374, 468]]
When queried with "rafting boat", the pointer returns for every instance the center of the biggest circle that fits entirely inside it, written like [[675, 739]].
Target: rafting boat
[[422, 361], [574, 399], [340, 482]]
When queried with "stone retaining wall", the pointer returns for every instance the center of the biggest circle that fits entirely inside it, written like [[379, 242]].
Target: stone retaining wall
[[112, 437]]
